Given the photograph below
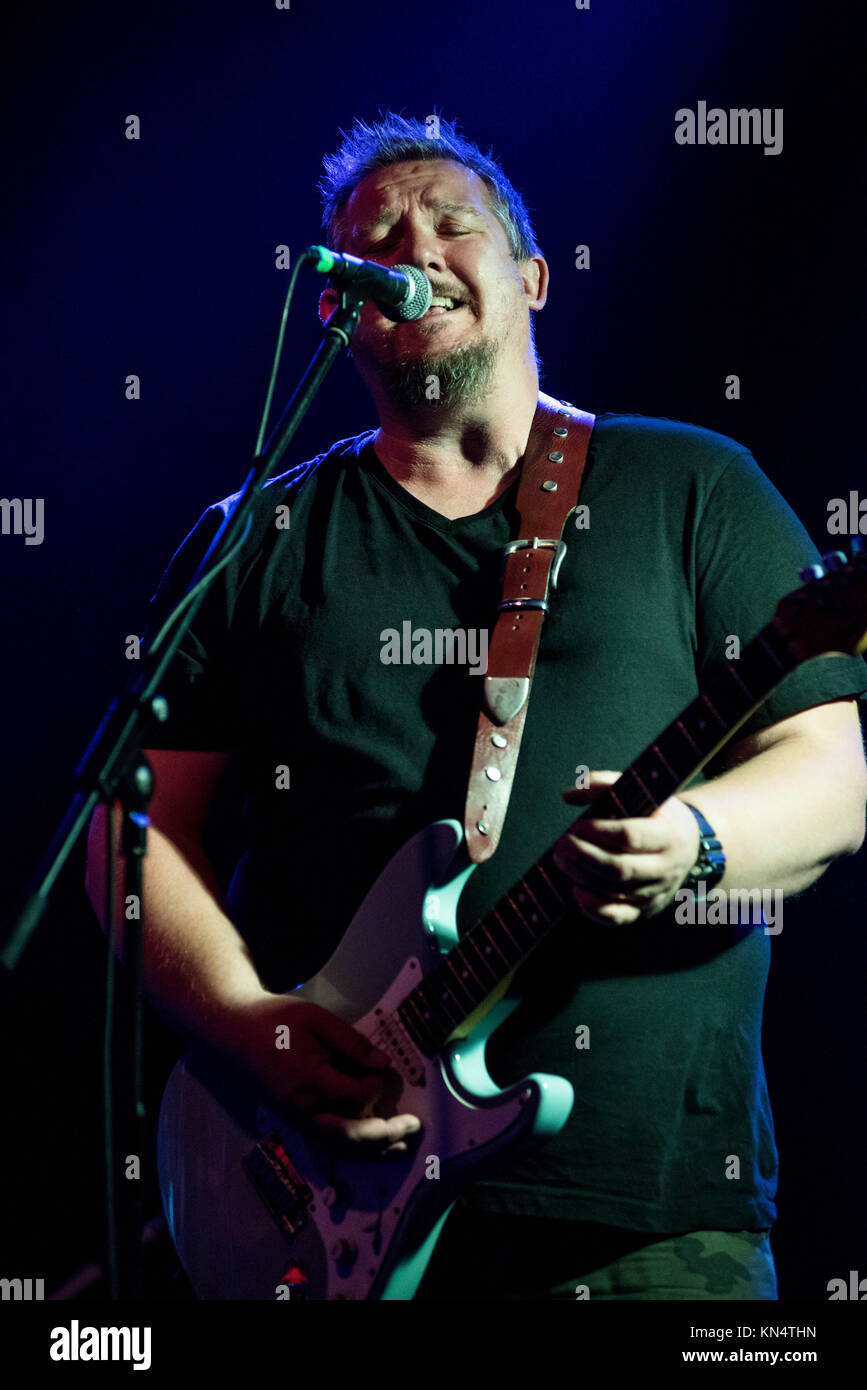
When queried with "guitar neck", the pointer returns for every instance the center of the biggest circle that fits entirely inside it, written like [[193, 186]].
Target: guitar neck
[[501, 940]]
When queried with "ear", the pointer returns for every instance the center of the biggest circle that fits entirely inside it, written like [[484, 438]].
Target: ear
[[327, 304], [534, 273]]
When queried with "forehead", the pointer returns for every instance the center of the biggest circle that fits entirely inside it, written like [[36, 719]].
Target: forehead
[[440, 185]]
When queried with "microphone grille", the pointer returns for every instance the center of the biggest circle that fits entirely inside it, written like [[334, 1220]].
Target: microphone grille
[[417, 301]]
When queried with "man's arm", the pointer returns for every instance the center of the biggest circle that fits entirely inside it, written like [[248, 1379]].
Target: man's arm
[[199, 973], [791, 801], [197, 968]]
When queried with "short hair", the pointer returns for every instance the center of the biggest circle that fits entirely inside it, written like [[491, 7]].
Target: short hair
[[395, 138]]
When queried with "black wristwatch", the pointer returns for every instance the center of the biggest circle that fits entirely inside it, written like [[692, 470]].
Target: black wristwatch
[[710, 865]]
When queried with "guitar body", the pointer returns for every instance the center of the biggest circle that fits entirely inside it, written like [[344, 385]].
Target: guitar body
[[260, 1209]]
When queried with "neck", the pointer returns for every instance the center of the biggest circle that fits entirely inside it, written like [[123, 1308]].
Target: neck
[[477, 444]]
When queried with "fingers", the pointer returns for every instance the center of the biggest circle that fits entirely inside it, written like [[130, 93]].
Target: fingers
[[343, 1038], [643, 835], [628, 836], [599, 783], [626, 872], [611, 913], [608, 887], [616, 865], [371, 1131]]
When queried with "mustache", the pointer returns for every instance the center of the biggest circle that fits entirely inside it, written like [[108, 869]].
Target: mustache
[[453, 292]]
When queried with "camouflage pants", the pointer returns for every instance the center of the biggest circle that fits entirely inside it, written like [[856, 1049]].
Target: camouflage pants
[[488, 1256]]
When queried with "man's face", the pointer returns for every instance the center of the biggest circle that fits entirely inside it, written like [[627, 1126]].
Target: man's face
[[435, 215]]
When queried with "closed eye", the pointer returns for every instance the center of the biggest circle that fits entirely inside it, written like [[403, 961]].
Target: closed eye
[[379, 249], [385, 247]]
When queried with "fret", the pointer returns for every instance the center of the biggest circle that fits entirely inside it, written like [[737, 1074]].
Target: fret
[[734, 673], [606, 808], [548, 879], [418, 1030], [434, 1017], [444, 997], [489, 934], [727, 705], [624, 810], [709, 705], [480, 984], [554, 876], [495, 914], [690, 740], [764, 641], [464, 959], [634, 804], [540, 913], [670, 739], [514, 905], [645, 790], [452, 963], [666, 764], [766, 665], [656, 775], [413, 1001], [517, 917], [470, 940]]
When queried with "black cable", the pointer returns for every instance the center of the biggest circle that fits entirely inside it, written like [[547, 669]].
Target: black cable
[[277, 355], [210, 574]]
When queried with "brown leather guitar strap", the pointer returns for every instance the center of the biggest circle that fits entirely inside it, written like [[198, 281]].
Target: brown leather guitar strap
[[547, 497]]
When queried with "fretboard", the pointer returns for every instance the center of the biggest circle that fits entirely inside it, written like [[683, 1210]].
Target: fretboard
[[501, 940]]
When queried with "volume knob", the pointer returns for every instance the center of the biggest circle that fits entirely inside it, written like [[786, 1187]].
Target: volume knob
[[811, 572]]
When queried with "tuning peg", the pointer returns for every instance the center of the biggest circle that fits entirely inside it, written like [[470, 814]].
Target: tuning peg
[[835, 559], [810, 573]]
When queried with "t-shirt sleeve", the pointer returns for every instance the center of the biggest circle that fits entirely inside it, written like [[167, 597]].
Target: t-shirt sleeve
[[199, 686], [749, 548]]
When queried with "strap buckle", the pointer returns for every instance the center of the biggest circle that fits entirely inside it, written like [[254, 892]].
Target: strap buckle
[[535, 544]]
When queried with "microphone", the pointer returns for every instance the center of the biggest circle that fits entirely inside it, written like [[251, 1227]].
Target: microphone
[[402, 292]]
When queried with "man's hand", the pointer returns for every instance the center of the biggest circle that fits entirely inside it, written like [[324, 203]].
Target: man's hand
[[330, 1075], [626, 869]]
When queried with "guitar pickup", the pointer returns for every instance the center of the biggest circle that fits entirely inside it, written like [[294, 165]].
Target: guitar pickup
[[279, 1183]]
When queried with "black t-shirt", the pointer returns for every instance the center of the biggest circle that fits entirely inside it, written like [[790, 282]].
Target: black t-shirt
[[688, 544]]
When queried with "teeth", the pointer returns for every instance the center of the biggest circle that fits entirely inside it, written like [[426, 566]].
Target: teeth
[[442, 300]]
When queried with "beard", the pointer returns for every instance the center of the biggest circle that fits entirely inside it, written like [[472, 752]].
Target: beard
[[456, 376]]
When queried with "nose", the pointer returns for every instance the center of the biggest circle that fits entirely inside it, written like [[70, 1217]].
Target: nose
[[421, 247]]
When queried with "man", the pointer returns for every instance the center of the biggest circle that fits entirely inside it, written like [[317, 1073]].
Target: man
[[661, 1184]]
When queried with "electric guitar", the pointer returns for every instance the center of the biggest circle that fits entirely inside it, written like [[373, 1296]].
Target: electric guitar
[[261, 1208]]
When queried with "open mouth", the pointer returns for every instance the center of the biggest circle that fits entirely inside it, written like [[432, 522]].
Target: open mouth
[[442, 305]]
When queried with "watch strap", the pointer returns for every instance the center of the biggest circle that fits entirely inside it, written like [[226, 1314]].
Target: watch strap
[[710, 865]]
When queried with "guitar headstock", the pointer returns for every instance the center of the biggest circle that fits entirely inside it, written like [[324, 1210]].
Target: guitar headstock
[[829, 612]]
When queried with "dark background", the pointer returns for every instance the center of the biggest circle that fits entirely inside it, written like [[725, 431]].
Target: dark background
[[156, 257]]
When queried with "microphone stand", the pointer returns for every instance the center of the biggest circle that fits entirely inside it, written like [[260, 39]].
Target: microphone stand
[[114, 768]]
